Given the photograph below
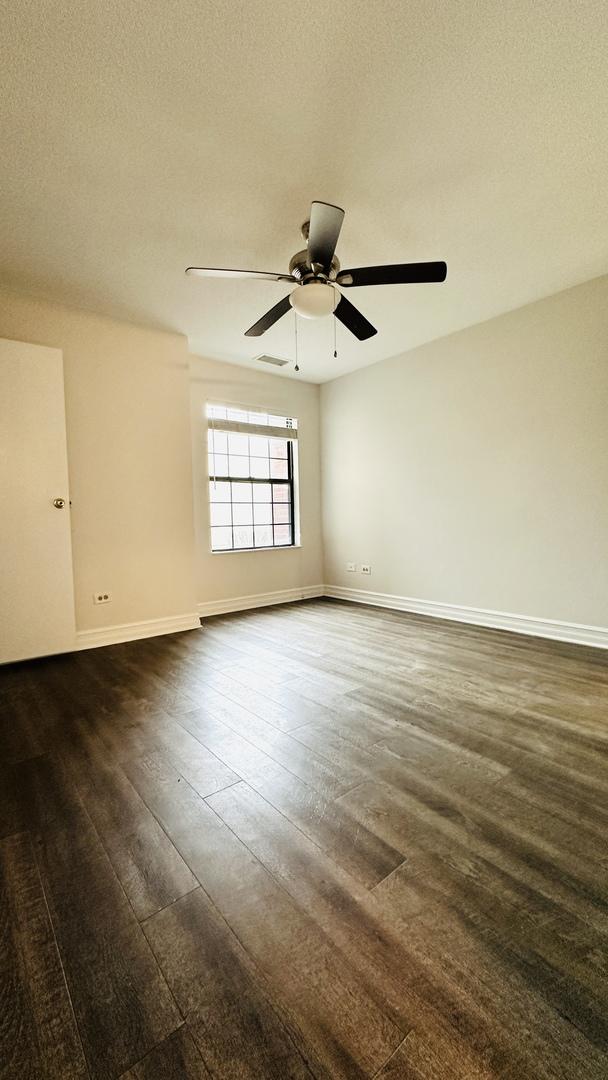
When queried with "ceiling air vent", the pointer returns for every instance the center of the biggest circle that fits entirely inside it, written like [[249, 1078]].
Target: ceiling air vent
[[276, 360]]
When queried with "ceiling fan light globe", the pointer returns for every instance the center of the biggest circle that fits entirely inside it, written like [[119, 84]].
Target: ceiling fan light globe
[[314, 300]]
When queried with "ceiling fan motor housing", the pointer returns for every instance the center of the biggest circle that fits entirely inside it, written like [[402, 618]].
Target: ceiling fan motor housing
[[302, 269]]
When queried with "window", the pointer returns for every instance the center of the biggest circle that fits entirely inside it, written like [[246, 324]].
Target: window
[[252, 466]]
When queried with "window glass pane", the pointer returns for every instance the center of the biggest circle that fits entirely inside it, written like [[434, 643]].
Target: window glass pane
[[278, 447], [218, 441], [258, 446], [242, 514], [239, 466], [245, 515], [282, 534], [238, 444], [282, 513], [218, 465], [262, 493], [259, 467], [221, 539], [278, 468], [219, 492], [241, 493], [221, 514], [263, 535], [243, 536], [262, 514]]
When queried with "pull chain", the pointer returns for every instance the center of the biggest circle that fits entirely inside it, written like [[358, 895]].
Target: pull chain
[[295, 316], [335, 346]]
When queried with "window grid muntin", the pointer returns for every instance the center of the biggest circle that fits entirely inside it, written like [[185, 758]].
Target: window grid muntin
[[271, 482]]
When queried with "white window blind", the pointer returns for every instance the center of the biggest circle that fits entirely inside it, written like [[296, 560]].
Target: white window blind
[[247, 422]]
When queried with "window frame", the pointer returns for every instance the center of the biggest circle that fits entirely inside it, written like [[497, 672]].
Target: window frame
[[290, 481]]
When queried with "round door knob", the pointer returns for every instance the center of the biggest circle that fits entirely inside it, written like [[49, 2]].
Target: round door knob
[[59, 503]]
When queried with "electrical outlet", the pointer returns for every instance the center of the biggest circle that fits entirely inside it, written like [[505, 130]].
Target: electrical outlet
[[365, 568], [102, 597], [351, 567]]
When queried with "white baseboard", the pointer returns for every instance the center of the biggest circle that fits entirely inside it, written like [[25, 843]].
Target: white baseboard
[[553, 629], [112, 635], [577, 633], [242, 603]]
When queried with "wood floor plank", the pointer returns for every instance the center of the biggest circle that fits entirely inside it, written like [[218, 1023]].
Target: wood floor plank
[[150, 869], [38, 1033], [284, 717], [313, 768], [419, 1058], [176, 1058], [293, 953], [525, 850], [328, 824], [241, 756], [203, 769], [482, 978], [368, 857], [122, 1004], [363, 843], [346, 913], [222, 994], [10, 812]]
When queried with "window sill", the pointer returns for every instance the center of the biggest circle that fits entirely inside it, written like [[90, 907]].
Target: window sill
[[250, 551]]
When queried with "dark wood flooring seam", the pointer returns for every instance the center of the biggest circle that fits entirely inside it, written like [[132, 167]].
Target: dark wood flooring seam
[[292, 823], [215, 906], [163, 830], [59, 956], [279, 883], [388, 876], [266, 752], [268, 994], [137, 922], [391, 1056], [152, 1048], [245, 845]]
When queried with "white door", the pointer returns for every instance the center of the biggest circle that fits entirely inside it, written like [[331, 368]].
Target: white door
[[36, 584]]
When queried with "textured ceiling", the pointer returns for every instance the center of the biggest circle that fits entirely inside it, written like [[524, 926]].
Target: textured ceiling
[[140, 137]]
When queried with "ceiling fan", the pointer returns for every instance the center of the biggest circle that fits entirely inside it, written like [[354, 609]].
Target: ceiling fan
[[316, 273]]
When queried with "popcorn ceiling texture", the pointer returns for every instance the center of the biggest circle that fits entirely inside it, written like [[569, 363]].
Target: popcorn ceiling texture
[[139, 138]]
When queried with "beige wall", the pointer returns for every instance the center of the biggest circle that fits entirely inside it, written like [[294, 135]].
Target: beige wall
[[128, 435], [470, 471], [226, 575], [474, 470]]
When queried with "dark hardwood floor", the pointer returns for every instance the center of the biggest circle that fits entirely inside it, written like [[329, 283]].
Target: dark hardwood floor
[[317, 840]]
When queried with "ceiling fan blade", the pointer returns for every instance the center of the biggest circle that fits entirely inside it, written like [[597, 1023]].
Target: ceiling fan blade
[[397, 274], [323, 232], [269, 319], [210, 271], [353, 320]]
